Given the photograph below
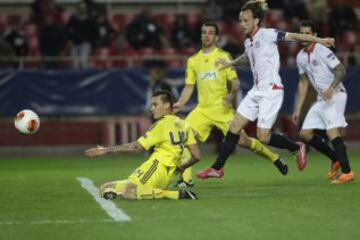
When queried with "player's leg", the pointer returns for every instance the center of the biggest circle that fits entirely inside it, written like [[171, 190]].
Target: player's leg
[[112, 190], [269, 107], [333, 114], [150, 181], [247, 111], [340, 150], [227, 147], [202, 126], [186, 177], [261, 150]]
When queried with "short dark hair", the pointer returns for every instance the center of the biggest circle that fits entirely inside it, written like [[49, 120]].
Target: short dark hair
[[308, 23], [212, 24], [257, 7], [166, 97]]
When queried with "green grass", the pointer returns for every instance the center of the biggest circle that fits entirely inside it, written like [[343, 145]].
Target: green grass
[[253, 201]]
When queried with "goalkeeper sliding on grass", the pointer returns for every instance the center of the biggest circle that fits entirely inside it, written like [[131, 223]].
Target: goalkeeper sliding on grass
[[169, 135]]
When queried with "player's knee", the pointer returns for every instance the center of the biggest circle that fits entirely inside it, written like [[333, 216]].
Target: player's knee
[[306, 135], [244, 140], [263, 137]]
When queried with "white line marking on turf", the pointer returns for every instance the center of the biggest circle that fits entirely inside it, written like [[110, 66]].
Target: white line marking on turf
[[57, 222], [111, 209]]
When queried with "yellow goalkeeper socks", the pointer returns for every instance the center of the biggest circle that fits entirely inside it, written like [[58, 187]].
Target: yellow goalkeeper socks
[[260, 149]]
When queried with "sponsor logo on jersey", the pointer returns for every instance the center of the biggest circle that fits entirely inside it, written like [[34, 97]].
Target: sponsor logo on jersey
[[208, 76]]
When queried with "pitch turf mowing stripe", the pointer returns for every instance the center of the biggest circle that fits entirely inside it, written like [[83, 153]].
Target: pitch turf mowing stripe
[[110, 208], [57, 222]]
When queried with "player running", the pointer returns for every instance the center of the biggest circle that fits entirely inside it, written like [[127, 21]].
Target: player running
[[319, 65], [216, 92], [264, 100], [169, 135]]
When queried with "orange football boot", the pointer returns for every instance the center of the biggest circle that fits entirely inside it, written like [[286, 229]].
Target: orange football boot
[[344, 178], [334, 169]]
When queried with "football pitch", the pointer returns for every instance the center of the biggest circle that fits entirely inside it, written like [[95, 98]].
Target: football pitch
[[42, 198]]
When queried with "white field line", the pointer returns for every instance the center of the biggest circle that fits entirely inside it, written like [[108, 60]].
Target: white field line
[[40, 222], [110, 208]]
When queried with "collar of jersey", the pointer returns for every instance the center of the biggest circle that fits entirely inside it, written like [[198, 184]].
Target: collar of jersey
[[207, 54], [312, 47], [251, 36]]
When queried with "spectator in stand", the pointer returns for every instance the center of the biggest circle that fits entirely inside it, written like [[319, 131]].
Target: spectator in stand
[[213, 11], [105, 31], [52, 40], [144, 31], [82, 33], [316, 9], [230, 9], [295, 9], [93, 9], [6, 54], [342, 18], [181, 36], [41, 8], [16, 38]]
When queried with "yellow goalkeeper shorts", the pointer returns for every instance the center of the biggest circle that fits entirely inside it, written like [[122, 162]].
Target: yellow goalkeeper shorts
[[203, 120], [153, 174]]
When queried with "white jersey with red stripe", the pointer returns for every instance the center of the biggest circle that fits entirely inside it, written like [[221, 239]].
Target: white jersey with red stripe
[[317, 63], [262, 51]]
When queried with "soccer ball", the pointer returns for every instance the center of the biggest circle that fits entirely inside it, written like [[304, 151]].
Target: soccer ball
[[27, 122]]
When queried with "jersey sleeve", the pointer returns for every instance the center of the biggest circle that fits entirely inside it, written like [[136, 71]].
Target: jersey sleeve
[[190, 77], [299, 65], [152, 137], [328, 57], [273, 35], [191, 138]]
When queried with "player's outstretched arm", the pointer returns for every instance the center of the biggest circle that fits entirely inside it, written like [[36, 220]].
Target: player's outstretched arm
[[224, 63], [184, 97], [302, 90], [328, 42], [195, 157], [100, 150]]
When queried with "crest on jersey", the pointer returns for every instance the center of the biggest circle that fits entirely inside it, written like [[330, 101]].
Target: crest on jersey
[[257, 44], [315, 63]]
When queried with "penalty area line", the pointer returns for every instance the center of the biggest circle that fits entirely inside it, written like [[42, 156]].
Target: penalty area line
[[110, 208], [39, 222]]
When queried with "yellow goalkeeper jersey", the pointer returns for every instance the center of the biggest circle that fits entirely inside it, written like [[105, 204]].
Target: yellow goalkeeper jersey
[[169, 136], [211, 83]]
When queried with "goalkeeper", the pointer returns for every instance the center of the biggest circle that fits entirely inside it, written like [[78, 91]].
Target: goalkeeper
[[169, 136]]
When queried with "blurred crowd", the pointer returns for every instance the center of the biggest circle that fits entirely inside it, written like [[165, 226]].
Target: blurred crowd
[[91, 32]]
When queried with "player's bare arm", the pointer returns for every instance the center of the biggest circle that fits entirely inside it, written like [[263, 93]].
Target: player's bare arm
[[302, 90], [328, 42], [195, 157], [233, 86], [339, 72], [184, 98], [100, 150], [224, 63]]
